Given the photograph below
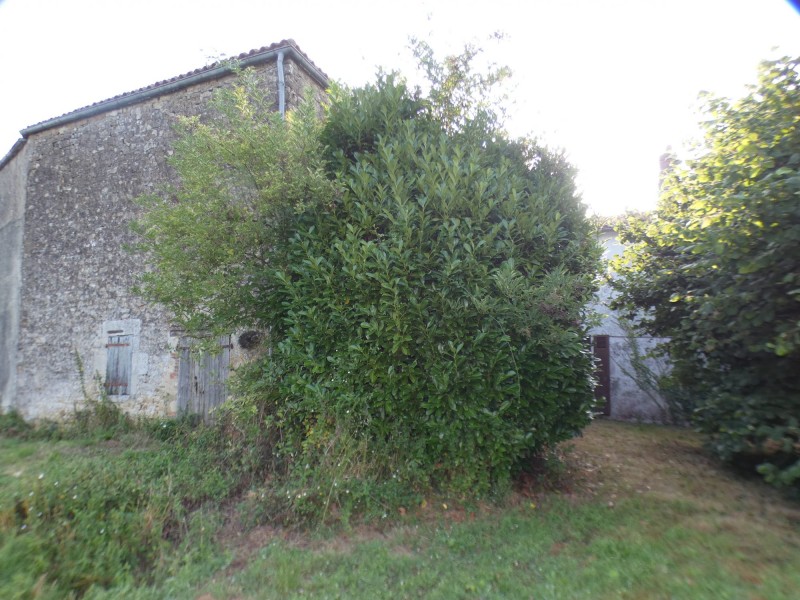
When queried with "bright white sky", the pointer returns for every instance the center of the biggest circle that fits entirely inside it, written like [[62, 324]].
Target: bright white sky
[[612, 82]]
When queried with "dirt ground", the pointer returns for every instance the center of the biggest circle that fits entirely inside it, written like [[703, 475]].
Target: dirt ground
[[620, 459]]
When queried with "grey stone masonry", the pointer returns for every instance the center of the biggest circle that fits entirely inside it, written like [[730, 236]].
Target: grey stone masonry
[[65, 276], [12, 212]]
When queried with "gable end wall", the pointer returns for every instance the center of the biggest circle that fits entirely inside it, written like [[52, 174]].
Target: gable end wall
[[12, 212], [81, 182]]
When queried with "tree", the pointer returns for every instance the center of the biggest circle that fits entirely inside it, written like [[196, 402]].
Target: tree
[[424, 290], [245, 177], [716, 269]]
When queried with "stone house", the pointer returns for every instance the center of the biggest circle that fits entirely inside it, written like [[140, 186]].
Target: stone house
[[67, 191], [626, 373]]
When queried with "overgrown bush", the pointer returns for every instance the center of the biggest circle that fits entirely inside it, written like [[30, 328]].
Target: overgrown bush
[[423, 279], [433, 311]]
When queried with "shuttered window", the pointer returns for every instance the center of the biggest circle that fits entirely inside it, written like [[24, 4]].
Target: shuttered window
[[118, 369]]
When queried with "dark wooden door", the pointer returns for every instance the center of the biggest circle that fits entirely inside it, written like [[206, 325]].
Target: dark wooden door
[[602, 392], [202, 377]]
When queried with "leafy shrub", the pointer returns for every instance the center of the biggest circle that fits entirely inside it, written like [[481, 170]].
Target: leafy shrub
[[431, 315], [422, 277], [715, 269]]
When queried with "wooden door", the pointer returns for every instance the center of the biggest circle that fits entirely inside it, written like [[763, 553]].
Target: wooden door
[[202, 377], [602, 392], [118, 365]]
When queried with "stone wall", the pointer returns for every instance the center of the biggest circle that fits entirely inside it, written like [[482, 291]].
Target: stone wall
[[82, 180], [297, 82], [12, 212]]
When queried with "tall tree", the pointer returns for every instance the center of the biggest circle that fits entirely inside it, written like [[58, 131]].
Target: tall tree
[[717, 269]]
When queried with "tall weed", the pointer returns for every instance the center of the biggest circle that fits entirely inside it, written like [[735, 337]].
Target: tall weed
[[115, 514]]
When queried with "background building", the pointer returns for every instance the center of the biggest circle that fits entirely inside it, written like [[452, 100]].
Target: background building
[[627, 375]]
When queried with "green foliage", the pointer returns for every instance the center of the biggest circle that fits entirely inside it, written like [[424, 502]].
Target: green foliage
[[433, 311], [13, 425], [422, 277], [460, 98], [99, 416], [618, 222], [245, 177], [105, 516], [716, 269], [356, 117]]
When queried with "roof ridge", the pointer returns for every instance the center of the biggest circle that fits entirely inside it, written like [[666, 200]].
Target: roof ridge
[[213, 70]]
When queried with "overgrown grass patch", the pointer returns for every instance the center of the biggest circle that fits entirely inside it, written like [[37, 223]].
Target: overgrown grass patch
[[632, 512], [642, 512], [636, 549], [92, 513]]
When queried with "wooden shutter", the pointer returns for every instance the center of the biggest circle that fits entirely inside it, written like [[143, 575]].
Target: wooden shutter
[[118, 368]]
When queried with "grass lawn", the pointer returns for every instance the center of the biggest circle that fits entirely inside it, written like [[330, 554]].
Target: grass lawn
[[637, 512]]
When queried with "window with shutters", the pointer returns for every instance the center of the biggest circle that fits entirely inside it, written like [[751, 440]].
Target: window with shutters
[[118, 366]]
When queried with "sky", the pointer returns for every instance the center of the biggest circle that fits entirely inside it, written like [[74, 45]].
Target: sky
[[611, 83]]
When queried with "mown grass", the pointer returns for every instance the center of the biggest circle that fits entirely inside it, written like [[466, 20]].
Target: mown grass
[[564, 552], [631, 512]]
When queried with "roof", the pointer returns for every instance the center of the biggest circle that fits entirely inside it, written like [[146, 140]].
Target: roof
[[213, 71], [11, 153]]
